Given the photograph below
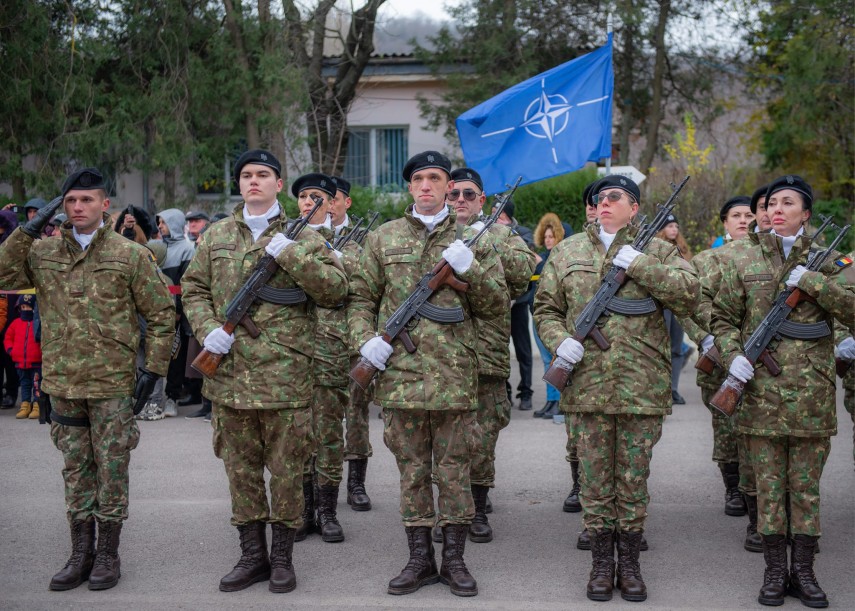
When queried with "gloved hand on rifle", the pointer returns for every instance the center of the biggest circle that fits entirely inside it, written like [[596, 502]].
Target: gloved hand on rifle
[[571, 350], [625, 256], [846, 349], [218, 341], [795, 276], [707, 343], [377, 352], [742, 369], [459, 256], [277, 244], [145, 386]]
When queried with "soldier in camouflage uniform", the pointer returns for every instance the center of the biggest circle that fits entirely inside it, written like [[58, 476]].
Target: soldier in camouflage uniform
[[494, 358], [322, 473], [788, 419], [261, 392], [844, 350], [428, 396], [92, 284], [728, 445], [616, 411]]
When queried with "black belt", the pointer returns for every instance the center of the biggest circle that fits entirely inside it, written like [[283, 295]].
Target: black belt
[[68, 421]]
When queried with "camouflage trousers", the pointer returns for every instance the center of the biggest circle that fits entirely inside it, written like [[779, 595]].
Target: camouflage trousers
[[849, 401], [328, 406], [438, 442], [791, 464], [572, 448], [96, 457], [614, 464], [493, 414], [356, 441], [248, 440], [729, 446]]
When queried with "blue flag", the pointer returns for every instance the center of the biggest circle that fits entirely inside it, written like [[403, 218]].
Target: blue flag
[[551, 124]]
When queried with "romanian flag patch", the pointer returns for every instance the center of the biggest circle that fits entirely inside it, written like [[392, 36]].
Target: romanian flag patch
[[843, 262]]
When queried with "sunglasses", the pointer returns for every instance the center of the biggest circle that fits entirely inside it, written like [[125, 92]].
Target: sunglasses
[[612, 196], [468, 194]]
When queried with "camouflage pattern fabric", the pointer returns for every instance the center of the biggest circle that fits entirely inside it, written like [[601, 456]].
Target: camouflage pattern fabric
[[440, 374], [801, 401], [247, 441], [634, 375], [614, 463], [419, 437], [724, 437], [96, 458], [493, 414], [328, 404], [791, 464], [747, 477], [225, 256], [357, 443], [89, 301]]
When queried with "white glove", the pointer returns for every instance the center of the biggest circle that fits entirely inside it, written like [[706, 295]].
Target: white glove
[[478, 225], [741, 369], [707, 343], [459, 256], [795, 276], [218, 341], [338, 253], [377, 351], [277, 244], [846, 349], [625, 256], [571, 350]]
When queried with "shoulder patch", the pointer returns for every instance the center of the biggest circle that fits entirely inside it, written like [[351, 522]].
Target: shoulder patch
[[843, 262], [329, 246]]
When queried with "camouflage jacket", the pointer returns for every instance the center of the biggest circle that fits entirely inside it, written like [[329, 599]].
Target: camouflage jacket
[[841, 333], [89, 301], [333, 351], [800, 401], [274, 370], [442, 373], [634, 375], [518, 263]]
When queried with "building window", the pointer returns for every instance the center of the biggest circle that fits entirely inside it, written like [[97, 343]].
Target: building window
[[376, 156]]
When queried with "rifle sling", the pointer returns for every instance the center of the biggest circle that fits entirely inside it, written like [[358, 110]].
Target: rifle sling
[[631, 307], [282, 296]]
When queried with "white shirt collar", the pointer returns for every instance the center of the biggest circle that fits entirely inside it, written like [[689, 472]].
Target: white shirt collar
[[431, 221], [257, 224], [606, 238], [84, 239], [788, 241], [327, 224]]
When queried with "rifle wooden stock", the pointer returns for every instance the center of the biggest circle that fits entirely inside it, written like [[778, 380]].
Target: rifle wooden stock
[[842, 366], [444, 274], [206, 362], [728, 396], [770, 363], [558, 374], [363, 372]]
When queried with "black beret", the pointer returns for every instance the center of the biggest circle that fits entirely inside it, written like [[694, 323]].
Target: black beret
[[196, 215], [36, 203], [341, 184], [671, 219], [508, 209], [590, 192], [468, 174], [796, 183], [422, 161], [733, 202], [85, 179], [260, 157], [315, 180], [755, 199], [616, 181]]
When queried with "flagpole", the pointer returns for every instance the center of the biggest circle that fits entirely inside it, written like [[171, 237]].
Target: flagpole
[[611, 119]]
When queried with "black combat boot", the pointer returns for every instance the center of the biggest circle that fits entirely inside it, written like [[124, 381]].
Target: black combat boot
[[357, 498], [421, 567], [629, 578], [254, 564], [571, 503], [453, 571], [79, 565], [753, 540], [488, 507], [308, 526], [480, 530], [106, 569], [734, 504], [775, 576], [436, 534], [602, 580], [584, 540], [282, 577], [803, 584], [331, 530]]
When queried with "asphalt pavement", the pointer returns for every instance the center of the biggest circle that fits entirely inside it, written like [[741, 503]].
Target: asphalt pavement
[[178, 543]]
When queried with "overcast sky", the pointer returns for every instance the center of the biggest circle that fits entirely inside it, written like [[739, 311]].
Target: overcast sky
[[434, 9]]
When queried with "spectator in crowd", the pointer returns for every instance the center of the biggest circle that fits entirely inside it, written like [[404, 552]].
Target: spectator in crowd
[[548, 233], [21, 345], [197, 222], [680, 352], [134, 223], [8, 375], [521, 317]]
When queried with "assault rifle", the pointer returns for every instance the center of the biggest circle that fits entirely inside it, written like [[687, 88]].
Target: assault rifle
[[364, 232], [255, 289], [416, 304], [342, 240], [775, 325], [605, 301]]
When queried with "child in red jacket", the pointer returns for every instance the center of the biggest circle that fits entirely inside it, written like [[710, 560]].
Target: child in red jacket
[[26, 353]]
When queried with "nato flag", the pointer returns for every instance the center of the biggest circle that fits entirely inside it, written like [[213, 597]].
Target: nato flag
[[548, 125]]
